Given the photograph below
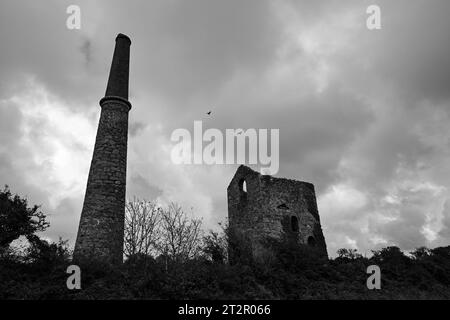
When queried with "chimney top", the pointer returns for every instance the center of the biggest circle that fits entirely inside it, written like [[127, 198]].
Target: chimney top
[[123, 36], [119, 72]]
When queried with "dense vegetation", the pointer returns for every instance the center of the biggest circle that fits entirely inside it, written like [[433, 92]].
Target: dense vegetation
[[296, 272]]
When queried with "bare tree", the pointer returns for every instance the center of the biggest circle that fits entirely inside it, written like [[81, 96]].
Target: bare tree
[[142, 231], [181, 236]]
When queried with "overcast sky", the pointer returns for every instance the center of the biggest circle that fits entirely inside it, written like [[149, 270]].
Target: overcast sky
[[363, 115]]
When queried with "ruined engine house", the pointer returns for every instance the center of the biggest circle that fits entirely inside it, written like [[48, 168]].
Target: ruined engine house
[[262, 207]]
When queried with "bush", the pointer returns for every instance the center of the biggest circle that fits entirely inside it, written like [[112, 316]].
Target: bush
[[17, 219]]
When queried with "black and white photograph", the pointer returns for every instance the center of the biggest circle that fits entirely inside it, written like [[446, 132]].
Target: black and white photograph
[[240, 152]]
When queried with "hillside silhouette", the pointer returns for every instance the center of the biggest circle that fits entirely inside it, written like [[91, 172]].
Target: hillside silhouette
[[180, 261]]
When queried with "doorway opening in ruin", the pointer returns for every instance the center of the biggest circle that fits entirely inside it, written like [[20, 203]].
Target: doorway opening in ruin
[[294, 224], [311, 241]]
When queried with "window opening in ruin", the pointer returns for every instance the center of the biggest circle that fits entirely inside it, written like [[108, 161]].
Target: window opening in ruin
[[243, 185], [294, 224]]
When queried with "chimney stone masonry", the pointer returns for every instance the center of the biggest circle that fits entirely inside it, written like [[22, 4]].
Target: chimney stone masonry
[[101, 229]]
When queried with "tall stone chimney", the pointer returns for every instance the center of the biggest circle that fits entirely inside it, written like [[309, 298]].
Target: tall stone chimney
[[101, 228]]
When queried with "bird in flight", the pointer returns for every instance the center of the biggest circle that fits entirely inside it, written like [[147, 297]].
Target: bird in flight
[[208, 113]]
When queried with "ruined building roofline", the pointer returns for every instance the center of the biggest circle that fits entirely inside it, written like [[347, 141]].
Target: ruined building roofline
[[262, 207], [245, 170], [242, 170]]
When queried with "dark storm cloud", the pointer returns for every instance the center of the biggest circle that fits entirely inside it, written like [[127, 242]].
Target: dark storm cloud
[[411, 53], [135, 127], [194, 47], [86, 50], [139, 187]]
